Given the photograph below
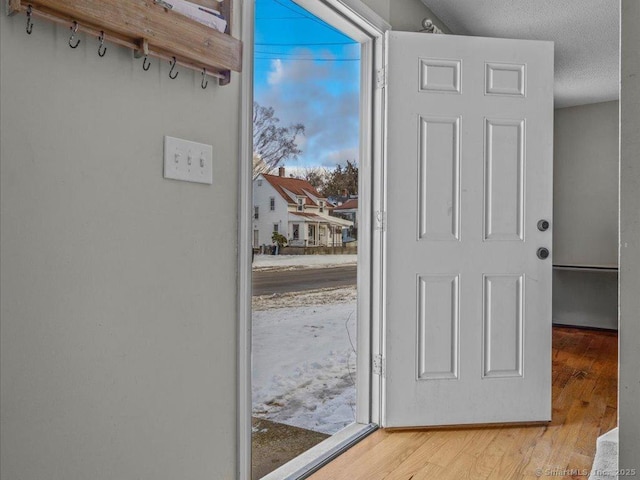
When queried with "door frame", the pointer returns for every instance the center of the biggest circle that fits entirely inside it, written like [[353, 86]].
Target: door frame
[[358, 21]]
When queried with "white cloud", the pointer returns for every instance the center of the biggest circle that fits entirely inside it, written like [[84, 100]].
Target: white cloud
[[340, 157], [323, 96], [276, 75]]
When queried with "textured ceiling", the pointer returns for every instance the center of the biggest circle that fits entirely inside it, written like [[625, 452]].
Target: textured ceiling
[[585, 33]]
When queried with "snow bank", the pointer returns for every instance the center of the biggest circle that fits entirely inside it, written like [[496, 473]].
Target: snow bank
[[304, 365], [263, 262], [320, 296]]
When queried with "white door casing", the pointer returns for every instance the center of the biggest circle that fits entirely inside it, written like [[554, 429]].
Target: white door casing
[[469, 175]]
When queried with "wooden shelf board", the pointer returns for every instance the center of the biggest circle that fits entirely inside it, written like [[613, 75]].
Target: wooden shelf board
[[134, 23]]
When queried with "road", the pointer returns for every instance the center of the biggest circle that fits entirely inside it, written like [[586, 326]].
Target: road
[[267, 282]]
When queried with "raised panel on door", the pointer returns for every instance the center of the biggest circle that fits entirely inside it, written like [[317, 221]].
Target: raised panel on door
[[469, 162], [438, 316], [504, 155], [505, 79], [439, 178], [503, 325]]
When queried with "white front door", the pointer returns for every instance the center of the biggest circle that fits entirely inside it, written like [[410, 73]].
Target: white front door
[[469, 176], [312, 235]]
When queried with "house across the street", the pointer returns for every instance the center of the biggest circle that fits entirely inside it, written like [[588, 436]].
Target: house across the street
[[295, 209], [348, 211]]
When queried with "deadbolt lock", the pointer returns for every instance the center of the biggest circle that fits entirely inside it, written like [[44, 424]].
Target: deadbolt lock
[[543, 253], [543, 225]]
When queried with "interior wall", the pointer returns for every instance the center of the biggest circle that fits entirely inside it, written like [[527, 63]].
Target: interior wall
[[629, 382], [381, 7], [118, 299], [585, 172], [408, 15], [585, 223], [405, 15]]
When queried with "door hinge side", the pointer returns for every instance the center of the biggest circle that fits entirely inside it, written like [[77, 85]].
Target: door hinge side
[[381, 77], [378, 365], [381, 220]]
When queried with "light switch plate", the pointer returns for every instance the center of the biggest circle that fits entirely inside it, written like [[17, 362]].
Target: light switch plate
[[188, 161]]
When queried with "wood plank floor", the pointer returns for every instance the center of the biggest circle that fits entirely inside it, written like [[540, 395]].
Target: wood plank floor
[[585, 390]]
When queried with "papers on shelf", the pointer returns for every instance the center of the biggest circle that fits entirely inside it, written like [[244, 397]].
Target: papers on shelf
[[207, 16]]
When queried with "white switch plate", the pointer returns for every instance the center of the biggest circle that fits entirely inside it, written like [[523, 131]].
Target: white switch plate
[[188, 161]]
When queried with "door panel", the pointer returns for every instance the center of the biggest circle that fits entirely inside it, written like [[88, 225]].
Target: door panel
[[439, 178], [438, 326], [503, 318], [469, 165], [504, 179]]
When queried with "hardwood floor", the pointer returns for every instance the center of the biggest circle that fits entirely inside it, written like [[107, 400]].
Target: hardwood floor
[[585, 390]]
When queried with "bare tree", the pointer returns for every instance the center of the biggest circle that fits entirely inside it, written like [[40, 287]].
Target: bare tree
[[273, 144], [316, 176]]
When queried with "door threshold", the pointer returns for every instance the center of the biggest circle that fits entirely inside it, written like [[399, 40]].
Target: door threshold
[[315, 458], [469, 426]]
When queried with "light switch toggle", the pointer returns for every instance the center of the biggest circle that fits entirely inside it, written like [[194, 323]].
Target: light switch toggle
[[179, 162]]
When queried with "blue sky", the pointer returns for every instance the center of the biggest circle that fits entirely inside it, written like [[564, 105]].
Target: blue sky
[[309, 73]]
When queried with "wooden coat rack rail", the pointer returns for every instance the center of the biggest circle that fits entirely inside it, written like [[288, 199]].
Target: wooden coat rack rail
[[150, 29]]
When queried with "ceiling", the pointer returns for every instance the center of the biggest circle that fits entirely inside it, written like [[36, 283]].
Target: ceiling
[[585, 33]]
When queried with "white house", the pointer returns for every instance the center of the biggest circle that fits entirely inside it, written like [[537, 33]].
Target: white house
[[348, 211], [295, 209]]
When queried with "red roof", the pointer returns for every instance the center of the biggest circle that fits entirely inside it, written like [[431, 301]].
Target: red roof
[[296, 186], [309, 215], [352, 203]]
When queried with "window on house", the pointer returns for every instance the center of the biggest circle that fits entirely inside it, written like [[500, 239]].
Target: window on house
[[275, 228], [321, 206], [272, 203], [300, 204], [296, 231], [256, 212], [259, 183]]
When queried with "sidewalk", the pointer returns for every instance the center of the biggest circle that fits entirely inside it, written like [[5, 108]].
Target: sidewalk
[[285, 262]]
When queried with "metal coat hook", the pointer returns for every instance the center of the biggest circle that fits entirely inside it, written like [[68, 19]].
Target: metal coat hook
[[173, 65], [74, 29], [29, 22], [204, 84], [146, 64], [102, 50]]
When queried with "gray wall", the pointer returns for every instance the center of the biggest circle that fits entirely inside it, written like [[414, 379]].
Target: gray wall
[[586, 185], [629, 398], [405, 15], [118, 298], [585, 190]]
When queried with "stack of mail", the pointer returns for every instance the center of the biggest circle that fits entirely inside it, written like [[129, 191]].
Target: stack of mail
[[207, 16]]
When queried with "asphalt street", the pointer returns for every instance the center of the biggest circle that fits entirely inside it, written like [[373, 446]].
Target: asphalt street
[[267, 282]]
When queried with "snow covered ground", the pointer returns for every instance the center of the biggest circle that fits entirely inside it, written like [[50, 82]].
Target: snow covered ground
[[304, 358], [264, 262]]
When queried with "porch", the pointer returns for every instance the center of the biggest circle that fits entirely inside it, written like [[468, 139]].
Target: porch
[[312, 230]]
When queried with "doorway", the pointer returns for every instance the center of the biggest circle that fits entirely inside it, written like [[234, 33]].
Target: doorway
[[382, 220], [311, 222]]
